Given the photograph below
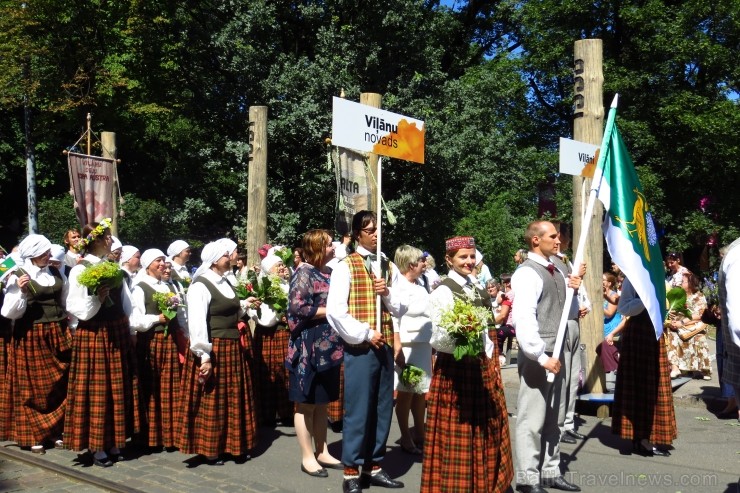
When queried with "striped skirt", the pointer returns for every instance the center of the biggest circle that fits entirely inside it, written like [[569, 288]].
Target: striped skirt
[[643, 398], [38, 367], [335, 409], [218, 417], [467, 446], [159, 389], [102, 409], [5, 400], [270, 350]]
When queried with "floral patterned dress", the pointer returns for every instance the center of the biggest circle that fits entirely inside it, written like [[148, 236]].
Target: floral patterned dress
[[691, 355], [315, 351]]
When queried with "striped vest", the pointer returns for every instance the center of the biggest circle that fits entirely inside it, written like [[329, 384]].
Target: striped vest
[[361, 302], [550, 303]]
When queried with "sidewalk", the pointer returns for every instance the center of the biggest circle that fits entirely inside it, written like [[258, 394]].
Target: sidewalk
[[706, 457]]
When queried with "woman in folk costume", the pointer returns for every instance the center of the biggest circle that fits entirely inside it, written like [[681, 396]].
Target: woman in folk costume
[[467, 446], [218, 415], [130, 263], [41, 348], [177, 287], [271, 336], [643, 399], [156, 350], [101, 404]]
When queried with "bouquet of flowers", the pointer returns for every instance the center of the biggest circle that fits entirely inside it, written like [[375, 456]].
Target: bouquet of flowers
[[101, 274], [267, 289], [465, 323], [167, 303], [286, 255], [412, 377]]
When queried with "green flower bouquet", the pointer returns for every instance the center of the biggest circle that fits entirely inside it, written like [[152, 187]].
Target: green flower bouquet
[[267, 289], [102, 274], [465, 323], [412, 377], [167, 303]]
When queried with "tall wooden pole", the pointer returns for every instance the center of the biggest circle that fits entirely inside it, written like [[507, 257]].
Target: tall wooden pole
[[108, 141], [257, 185], [588, 127], [372, 99]]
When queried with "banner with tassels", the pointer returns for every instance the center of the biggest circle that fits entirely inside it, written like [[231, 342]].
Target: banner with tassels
[[353, 186], [92, 180]]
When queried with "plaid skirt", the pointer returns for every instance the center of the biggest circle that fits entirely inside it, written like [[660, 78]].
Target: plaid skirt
[[335, 409], [159, 388], [38, 367], [102, 409], [643, 398], [270, 350], [5, 393], [219, 416], [467, 446]]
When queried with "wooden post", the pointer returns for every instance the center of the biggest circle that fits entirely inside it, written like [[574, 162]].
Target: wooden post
[[588, 127], [257, 186], [108, 142], [372, 99]]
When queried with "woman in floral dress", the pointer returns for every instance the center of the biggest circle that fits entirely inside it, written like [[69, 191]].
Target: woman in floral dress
[[691, 355], [315, 353]]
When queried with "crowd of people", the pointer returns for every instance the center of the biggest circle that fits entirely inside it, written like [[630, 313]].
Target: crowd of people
[[168, 357]]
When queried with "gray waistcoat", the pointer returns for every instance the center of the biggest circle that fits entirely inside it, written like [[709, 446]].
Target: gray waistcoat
[[549, 304]]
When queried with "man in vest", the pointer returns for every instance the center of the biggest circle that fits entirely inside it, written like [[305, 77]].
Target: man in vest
[[368, 354], [539, 290]]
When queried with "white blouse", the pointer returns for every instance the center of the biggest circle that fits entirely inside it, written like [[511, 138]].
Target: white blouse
[[416, 324], [84, 305], [141, 321], [15, 303]]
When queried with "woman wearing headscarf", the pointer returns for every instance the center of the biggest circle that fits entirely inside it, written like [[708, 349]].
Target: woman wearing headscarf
[[101, 403], [158, 363], [179, 253], [130, 263], [467, 445], [271, 336], [315, 353], [41, 348], [218, 414]]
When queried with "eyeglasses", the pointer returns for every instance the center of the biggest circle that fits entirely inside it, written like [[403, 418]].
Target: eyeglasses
[[369, 231]]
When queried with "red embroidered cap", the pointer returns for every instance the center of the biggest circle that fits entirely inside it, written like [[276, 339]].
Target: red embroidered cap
[[459, 242]]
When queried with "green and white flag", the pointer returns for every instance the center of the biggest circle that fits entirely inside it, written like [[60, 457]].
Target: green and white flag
[[6, 267], [628, 225]]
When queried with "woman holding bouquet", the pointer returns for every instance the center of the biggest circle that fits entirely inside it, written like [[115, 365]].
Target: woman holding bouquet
[[271, 336], [41, 348], [315, 353], [411, 335], [158, 363], [218, 414], [467, 446], [101, 402]]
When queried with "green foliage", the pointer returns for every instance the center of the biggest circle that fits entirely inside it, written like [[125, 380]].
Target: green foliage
[[56, 216]]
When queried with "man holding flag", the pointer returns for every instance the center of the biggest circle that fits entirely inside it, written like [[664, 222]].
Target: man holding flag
[[643, 401]]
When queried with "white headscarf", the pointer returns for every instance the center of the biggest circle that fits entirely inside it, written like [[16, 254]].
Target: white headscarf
[[478, 257], [209, 255], [176, 247], [150, 256], [127, 252], [230, 245], [57, 253], [33, 245], [269, 262], [116, 243]]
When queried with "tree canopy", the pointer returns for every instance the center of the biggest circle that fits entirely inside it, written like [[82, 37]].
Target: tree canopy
[[492, 80]]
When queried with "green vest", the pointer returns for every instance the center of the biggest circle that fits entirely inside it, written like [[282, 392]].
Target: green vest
[[150, 306], [223, 313], [44, 303]]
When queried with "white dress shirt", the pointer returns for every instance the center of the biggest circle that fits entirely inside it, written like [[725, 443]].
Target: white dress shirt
[[349, 328], [15, 303], [198, 300], [527, 286], [140, 321], [731, 271], [442, 299], [84, 305], [180, 271]]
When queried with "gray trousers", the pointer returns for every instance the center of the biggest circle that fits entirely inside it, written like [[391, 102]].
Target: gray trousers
[[571, 368], [537, 432]]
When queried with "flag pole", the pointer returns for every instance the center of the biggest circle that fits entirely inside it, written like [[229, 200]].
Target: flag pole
[[580, 250], [379, 268]]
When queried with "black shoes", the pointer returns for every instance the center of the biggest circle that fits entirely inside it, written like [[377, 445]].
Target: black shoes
[[559, 483], [566, 438], [575, 434], [640, 449], [104, 462], [321, 473], [530, 488], [351, 485], [339, 466], [381, 479]]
